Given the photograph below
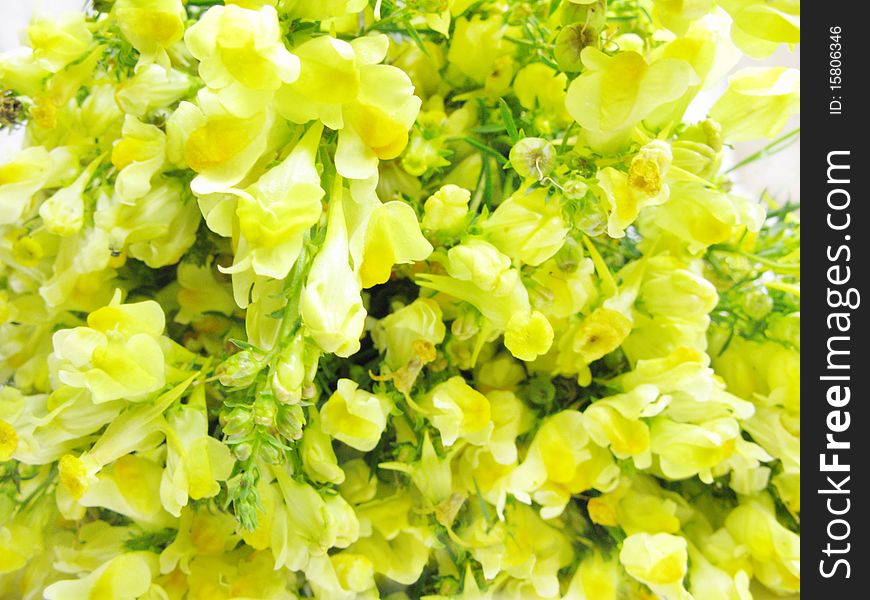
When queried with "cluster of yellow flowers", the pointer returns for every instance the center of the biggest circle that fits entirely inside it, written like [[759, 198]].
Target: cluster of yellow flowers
[[396, 299]]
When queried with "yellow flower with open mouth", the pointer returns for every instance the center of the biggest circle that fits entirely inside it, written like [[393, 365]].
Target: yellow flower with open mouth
[[354, 416], [138, 156], [562, 461], [151, 26], [371, 105], [118, 355], [459, 411], [658, 560], [218, 145], [57, 43], [242, 56], [195, 461], [615, 93], [272, 216], [126, 577]]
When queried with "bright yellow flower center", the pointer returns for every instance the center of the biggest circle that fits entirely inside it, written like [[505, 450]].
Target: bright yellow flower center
[[8, 440], [73, 475]]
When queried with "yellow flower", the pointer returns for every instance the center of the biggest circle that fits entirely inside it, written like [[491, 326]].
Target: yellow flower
[[615, 93], [774, 549], [354, 416], [758, 103], [331, 303], [57, 43], [476, 46], [195, 461], [63, 212], [525, 547], [562, 461], [200, 533], [396, 333], [242, 56], [125, 577], [199, 293], [117, 356], [274, 214], [392, 236], [459, 411], [27, 173], [157, 228], [528, 227], [657, 560], [528, 335], [151, 88], [615, 422], [126, 433], [151, 26], [138, 156], [318, 457], [129, 486], [479, 274], [600, 333], [21, 72], [759, 27], [688, 449], [343, 576], [220, 146], [342, 84]]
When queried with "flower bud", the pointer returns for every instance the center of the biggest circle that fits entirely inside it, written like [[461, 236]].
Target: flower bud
[[289, 421], [757, 304], [237, 422], [239, 370], [243, 451], [264, 411], [446, 208]]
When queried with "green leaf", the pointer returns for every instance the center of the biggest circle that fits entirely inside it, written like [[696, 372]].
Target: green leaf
[[508, 120]]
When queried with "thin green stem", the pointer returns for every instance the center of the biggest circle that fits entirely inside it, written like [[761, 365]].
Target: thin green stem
[[772, 148]]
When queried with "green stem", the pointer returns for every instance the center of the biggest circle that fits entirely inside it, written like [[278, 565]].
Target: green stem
[[772, 148]]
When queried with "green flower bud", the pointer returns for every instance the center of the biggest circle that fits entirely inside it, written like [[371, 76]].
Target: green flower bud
[[406, 453], [271, 454], [289, 421], [237, 422], [239, 370], [448, 586], [243, 451], [569, 255], [264, 411], [533, 157], [757, 304]]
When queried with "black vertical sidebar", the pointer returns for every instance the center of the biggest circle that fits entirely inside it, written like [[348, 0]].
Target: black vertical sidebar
[[835, 435]]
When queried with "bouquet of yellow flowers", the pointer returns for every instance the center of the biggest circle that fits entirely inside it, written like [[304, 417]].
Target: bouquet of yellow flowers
[[398, 299]]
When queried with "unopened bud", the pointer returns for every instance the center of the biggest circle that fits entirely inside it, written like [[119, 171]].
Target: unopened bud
[[239, 370]]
